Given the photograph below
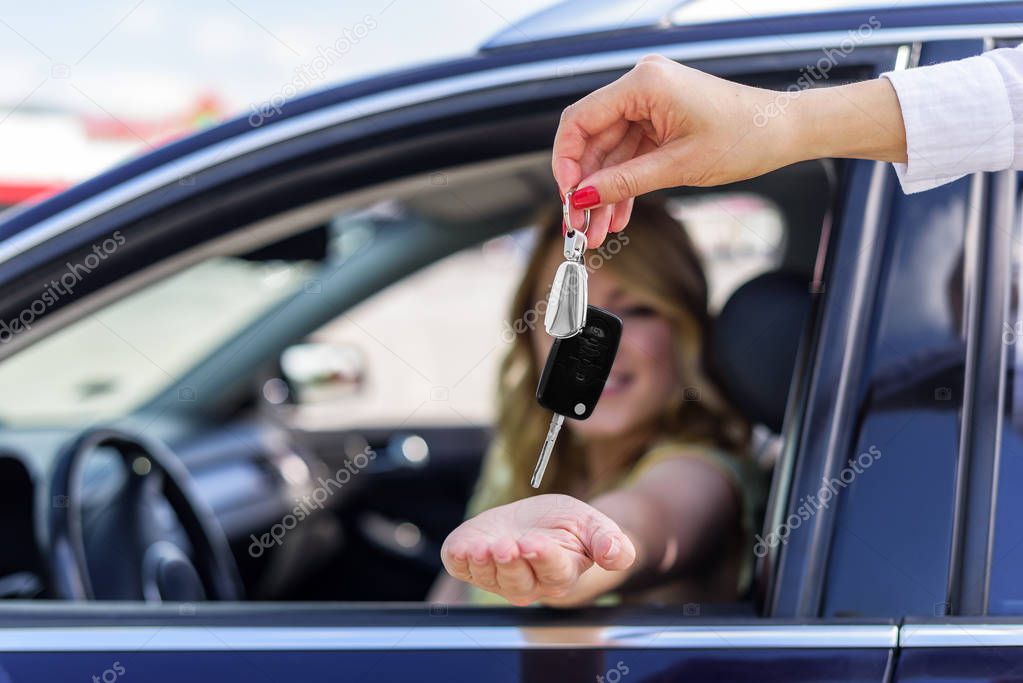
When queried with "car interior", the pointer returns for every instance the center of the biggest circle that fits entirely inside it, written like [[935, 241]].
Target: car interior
[[267, 360]]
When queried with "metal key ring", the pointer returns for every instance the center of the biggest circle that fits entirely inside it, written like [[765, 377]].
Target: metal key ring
[[566, 213]]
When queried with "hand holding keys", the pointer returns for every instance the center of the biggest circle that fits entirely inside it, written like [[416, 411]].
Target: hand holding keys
[[586, 342]]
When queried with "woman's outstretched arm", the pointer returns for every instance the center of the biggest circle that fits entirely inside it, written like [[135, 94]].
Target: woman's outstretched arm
[[561, 551]]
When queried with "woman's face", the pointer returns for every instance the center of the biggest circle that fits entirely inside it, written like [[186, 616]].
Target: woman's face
[[645, 372]]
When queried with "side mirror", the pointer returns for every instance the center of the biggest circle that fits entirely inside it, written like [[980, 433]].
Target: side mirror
[[318, 372]]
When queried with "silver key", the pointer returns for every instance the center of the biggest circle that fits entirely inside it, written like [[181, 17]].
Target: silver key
[[566, 305], [548, 447], [566, 312]]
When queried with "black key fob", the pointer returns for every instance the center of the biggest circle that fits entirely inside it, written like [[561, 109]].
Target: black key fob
[[577, 367]]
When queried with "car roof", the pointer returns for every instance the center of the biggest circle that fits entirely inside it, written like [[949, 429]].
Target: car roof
[[586, 18], [909, 14]]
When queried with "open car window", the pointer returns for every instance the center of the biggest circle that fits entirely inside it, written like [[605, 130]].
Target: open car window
[[403, 363]]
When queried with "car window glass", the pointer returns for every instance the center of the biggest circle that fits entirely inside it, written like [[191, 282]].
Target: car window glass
[[110, 361], [739, 235], [1006, 591], [908, 423]]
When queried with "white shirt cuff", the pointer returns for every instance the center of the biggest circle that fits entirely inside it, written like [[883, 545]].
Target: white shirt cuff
[[958, 121]]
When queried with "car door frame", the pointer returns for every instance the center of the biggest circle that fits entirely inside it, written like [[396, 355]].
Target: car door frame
[[969, 643], [832, 416]]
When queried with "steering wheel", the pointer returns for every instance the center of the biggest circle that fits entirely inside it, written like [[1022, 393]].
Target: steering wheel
[[135, 550]]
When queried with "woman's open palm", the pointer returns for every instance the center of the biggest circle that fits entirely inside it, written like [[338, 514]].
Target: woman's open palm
[[535, 548]]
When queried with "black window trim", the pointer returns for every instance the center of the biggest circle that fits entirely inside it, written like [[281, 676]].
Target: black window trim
[[987, 277]]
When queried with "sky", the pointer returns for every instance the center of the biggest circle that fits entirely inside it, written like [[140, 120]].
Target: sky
[[148, 58], [143, 59]]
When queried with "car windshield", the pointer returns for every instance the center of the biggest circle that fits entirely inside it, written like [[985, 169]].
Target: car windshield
[[105, 364]]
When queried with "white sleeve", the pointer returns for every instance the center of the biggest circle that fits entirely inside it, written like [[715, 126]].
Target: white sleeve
[[960, 117]]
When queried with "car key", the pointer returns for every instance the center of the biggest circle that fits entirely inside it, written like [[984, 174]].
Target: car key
[[566, 304], [574, 376]]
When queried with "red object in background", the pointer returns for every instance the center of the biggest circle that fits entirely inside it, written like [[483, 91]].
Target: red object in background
[[14, 192], [115, 138], [206, 111]]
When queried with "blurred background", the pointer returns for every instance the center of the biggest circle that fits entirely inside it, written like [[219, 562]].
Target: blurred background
[[85, 85]]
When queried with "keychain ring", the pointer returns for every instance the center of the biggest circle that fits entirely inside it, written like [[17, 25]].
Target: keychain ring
[[566, 213]]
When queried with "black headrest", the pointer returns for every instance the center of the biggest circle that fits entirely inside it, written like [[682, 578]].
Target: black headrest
[[756, 338]]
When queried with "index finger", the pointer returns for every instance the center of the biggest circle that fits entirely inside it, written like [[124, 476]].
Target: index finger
[[580, 123]]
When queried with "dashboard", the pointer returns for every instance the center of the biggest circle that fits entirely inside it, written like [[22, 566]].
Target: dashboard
[[248, 474]]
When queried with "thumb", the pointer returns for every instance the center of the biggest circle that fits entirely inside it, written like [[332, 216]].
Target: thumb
[[609, 546], [631, 178]]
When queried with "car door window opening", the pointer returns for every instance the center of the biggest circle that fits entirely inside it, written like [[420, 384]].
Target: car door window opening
[[294, 329]]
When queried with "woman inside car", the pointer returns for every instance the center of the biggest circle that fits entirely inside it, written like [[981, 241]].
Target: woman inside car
[[652, 498]]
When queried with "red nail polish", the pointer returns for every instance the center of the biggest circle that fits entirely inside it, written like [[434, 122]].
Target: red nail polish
[[564, 229], [585, 198]]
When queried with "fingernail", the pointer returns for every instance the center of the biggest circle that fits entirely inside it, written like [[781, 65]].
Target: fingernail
[[612, 552], [564, 229], [585, 198]]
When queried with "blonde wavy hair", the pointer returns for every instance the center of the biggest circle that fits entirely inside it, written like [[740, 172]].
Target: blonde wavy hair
[[656, 262]]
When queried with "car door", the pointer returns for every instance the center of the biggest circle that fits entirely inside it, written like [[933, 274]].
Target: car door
[[492, 112], [898, 396], [977, 633], [400, 644]]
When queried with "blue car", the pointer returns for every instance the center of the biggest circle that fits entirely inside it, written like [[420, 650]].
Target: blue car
[[246, 380]]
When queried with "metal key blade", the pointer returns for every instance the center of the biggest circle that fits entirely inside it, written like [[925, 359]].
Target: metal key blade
[[545, 452]]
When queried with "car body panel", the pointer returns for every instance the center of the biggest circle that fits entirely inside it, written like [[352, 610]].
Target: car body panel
[[970, 651], [474, 664], [466, 645]]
